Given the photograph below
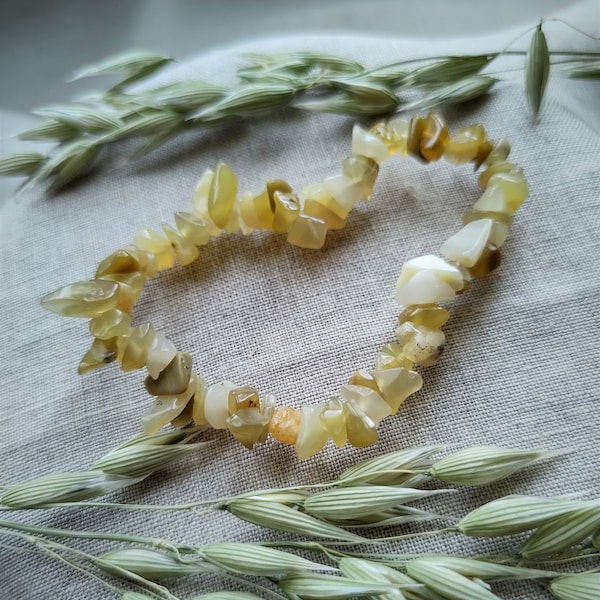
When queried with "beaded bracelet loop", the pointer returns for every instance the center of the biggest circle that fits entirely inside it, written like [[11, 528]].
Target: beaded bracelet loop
[[183, 397]]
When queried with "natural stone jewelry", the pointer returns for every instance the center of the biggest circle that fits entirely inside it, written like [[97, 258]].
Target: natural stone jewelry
[[183, 397]]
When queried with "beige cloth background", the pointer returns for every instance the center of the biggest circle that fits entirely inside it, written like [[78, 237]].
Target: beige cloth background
[[521, 363]]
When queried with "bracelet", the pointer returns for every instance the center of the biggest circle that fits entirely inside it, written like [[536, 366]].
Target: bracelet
[[425, 282]]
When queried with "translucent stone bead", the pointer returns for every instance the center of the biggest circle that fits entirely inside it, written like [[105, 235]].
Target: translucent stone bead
[[319, 193], [380, 129], [249, 426], [200, 201], [130, 289], [434, 264], [343, 190], [110, 324], [313, 208], [415, 133], [360, 428], [285, 424], [396, 385], [501, 225], [499, 153], [173, 379], [121, 261], [365, 143], [147, 260], [312, 435], [333, 418], [151, 241], [364, 378], [391, 357], [264, 204], [135, 347], [368, 400], [434, 137], [483, 152], [166, 408], [492, 200], [247, 212], [216, 404], [515, 188], [466, 246], [243, 397], [100, 353], [362, 171], [222, 194], [83, 299], [184, 418], [489, 260], [433, 316], [307, 232], [499, 167], [185, 251], [161, 352], [287, 209], [198, 403], [399, 130], [464, 146], [193, 228], [421, 344]]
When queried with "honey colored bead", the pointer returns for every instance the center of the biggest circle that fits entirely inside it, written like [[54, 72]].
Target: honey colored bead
[[193, 228], [100, 353], [369, 401], [391, 357], [499, 167], [83, 299], [248, 426], [421, 344], [198, 403], [333, 418], [380, 129], [135, 347], [466, 246], [363, 171], [515, 189], [434, 138], [488, 261], [360, 429], [399, 130], [284, 424], [160, 354], [397, 385], [318, 192], [121, 261], [167, 408], [185, 251], [216, 404], [307, 232], [243, 397], [313, 208], [222, 194], [151, 241], [287, 209], [110, 324], [173, 379], [499, 153], [500, 228], [312, 435], [365, 143], [343, 190], [464, 146], [433, 316], [364, 378], [483, 152], [415, 134]]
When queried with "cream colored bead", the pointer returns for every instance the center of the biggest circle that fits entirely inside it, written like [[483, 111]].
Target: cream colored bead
[[515, 188], [396, 385], [421, 344], [160, 354], [343, 190], [185, 251], [167, 408], [362, 171], [467, 245], [364, 143], [110, 324], [193, 228], [317, 192], [150, 240], [360, 428], [498, 167], [312, 435], [307, 232], [424, 288], [500, 227], [369, 401], [492, 200], [364, 378], [391, 356], [333, 418], [83, 299], [216, 404], [443, 270]]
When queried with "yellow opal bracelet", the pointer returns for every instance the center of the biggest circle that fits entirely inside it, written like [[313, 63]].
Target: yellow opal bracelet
[[425, 282]]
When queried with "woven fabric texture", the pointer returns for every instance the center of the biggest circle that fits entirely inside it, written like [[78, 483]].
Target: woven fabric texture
[[520, 368]]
